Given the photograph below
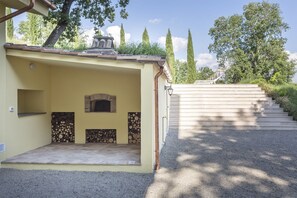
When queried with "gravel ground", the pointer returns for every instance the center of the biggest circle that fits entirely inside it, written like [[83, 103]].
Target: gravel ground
[[228, 164], [193, 164]]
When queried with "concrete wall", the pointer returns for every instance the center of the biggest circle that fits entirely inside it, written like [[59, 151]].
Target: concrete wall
[[27, 132], [70, 85], [2, 79]]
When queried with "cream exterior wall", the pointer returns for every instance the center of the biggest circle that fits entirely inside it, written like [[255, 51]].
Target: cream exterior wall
[[29, 132], [147, 118], [2, 79], [70, 85]]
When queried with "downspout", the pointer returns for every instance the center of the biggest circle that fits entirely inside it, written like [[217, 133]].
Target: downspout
[[18, 12], [157, 152]]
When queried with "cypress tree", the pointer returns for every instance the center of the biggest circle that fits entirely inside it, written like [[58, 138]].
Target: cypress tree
[[170, 54], [145, 37], [9, 25], [190, 59], [122, 34]]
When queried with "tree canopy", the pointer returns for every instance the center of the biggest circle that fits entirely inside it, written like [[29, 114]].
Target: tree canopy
[[9, 26], [69, 12], [204, 73], [251, 45], [170, 53], [122, 36], [191, 71]]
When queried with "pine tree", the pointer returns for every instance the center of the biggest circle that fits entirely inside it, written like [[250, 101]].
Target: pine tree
[[190, 59], [145, 37], [32, 29], [170, 54], [122, 41], [9, 25]]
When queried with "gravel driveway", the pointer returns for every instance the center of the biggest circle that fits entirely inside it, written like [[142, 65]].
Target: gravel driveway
[[194, 164]]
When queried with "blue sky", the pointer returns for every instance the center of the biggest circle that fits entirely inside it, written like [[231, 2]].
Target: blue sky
[[197, 15]]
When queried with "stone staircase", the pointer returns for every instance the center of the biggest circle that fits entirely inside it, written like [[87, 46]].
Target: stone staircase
[[231, 107]]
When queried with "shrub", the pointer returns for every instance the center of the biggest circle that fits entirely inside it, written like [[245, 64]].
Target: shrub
[[142, 49]]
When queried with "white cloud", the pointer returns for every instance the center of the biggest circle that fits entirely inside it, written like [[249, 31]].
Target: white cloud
[[179, 43], [155, 21], [207, 60], [114, 31], [292, 55], [89, 34]]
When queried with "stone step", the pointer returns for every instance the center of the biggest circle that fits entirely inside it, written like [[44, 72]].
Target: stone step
[[182, 93], [232, 118], [238, 128], [227, 114], [216, 85], [187, 99], [230, 96], [216, 122], [235, 110], [216, 88], [215, 102], [224, 106], [245, 107]]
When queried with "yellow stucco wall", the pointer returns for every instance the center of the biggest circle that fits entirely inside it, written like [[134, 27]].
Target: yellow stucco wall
[[65, 88], [28, 132], [147, 118], [70, 85], [2, 79]]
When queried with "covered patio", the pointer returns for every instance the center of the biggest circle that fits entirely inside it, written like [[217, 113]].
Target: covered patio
[[90, 154]]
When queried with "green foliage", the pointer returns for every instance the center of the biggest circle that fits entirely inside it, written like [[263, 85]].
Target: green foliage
[[122, 36], [78, 43], [34, 31], [141, 49], [251, 44], [9, 26], [170, 54], [145, 37], [31, 29], [181, 72], [204, 73], [69, 13], [190, 60]]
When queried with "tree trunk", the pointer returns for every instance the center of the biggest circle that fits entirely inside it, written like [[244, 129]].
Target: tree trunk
[[55, 35], [61, 25]]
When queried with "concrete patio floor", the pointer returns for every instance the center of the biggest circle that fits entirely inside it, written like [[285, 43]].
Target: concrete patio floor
[[70, 153]]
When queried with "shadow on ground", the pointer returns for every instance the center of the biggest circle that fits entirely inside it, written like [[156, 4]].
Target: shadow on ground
[[225, 163]]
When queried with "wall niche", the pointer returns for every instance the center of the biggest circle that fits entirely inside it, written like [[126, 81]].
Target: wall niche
[[30, 102], [100, 103]]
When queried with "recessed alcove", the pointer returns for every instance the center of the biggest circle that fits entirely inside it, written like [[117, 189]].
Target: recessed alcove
[[31, 102]]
